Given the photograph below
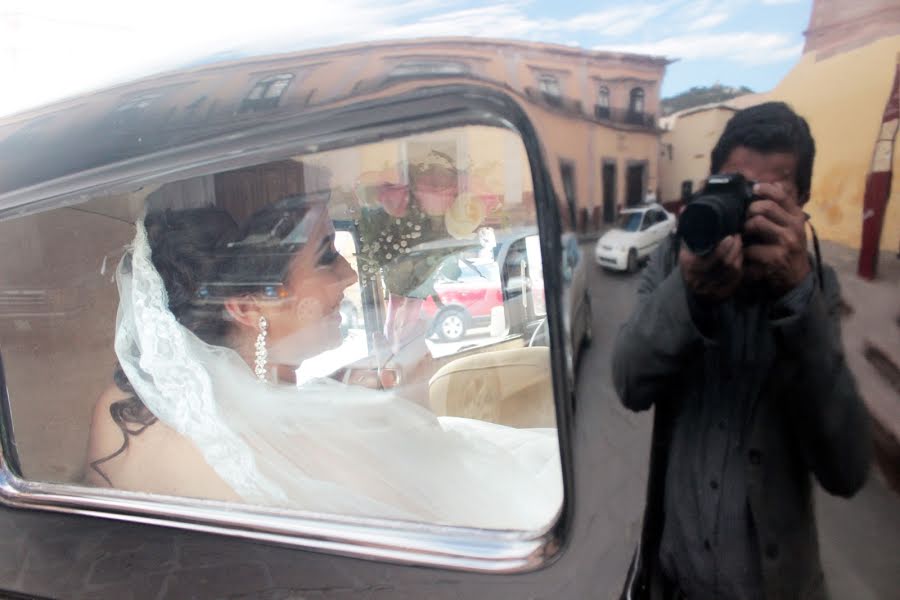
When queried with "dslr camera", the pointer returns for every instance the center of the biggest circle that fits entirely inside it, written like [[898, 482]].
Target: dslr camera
[[715, 212]]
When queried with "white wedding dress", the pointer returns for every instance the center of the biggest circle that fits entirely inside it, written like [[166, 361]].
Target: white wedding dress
[[327, 447]]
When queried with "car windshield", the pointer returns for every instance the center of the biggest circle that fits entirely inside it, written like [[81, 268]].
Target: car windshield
[[630, 221], [460, 267]]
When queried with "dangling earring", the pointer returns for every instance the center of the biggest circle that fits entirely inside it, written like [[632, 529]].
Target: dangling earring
[[262, 354]]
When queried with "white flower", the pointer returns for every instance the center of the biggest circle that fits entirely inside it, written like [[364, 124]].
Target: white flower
[[465, 216]]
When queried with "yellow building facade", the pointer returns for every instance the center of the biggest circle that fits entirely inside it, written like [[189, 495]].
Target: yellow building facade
[[685, 148], [843, 98]]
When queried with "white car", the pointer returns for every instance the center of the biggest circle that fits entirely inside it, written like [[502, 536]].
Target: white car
[[637, 233]]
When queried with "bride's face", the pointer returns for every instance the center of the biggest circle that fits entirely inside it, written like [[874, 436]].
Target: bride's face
[[307, 319]]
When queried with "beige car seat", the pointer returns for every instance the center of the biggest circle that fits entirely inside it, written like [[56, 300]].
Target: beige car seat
[[509, 387]]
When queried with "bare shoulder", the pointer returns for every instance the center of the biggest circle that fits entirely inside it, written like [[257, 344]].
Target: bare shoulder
[[154, 459]]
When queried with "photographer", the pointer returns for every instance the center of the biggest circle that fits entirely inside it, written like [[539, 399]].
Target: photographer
[[740, 352]]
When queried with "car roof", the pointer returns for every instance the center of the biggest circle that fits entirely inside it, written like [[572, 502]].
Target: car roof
[[640, 209]]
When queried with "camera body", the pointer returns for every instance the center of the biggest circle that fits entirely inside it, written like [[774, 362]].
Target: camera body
[[715, 212]]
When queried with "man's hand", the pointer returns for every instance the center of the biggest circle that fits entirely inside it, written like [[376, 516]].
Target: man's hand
[[779, 259], [714, 277]]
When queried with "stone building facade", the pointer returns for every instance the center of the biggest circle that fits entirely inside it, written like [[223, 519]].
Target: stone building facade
[[595, 112]]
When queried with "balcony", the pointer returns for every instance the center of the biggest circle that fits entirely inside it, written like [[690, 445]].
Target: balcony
[[624, 115], [561, 103], [572, 107]]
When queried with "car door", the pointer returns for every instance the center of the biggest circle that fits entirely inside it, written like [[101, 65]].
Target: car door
[[181, 545], [646, 234], [470, 289], [661, 226]]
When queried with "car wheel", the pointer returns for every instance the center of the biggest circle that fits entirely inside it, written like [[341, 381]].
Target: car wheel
[[588, 322], [632, 261], [451, 325]]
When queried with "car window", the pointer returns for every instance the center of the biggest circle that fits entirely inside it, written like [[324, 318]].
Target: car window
[[536, 275], [295, 334], [630, 221], [471, 271], [647, 221]]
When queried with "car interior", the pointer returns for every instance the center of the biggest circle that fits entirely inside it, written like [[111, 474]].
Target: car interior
[[59, 299]]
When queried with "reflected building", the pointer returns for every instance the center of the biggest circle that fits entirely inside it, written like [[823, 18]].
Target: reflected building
[[686, 142], [595, 112]]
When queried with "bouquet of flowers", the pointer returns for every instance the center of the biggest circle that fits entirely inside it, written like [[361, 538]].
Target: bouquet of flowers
[[402, 226], [397, 221]]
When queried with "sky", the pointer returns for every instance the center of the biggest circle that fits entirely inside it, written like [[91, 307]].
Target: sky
[[51, 49]]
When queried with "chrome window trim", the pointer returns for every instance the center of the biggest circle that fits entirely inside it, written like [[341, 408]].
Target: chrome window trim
[[452, 547]]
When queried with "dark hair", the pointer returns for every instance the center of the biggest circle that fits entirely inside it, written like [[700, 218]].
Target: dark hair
[[258, 258], [769, 127], [193, 249]]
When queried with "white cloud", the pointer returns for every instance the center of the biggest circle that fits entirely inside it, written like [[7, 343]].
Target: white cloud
[[501, 21], [708, 21], [614, 22], [745, 48], [53, 48], [780, 2], [507, 20], [693, 10]]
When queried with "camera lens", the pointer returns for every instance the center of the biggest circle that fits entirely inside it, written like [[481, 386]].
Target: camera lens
[[700, 225]]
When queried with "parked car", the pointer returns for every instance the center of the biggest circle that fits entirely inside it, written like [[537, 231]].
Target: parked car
[[465, 293], [635, 235]]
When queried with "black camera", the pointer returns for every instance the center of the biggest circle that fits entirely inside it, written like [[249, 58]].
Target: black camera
[[715, 212]]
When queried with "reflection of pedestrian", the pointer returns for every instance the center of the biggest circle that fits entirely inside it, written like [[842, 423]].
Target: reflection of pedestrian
[[740, 351]]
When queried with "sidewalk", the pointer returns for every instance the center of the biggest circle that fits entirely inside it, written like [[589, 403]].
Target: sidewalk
[[871, 330]]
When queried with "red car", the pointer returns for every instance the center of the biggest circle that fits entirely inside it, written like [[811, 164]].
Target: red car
[[466, 293]]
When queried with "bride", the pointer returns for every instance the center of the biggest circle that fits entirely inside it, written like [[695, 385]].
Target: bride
[[214, 321]]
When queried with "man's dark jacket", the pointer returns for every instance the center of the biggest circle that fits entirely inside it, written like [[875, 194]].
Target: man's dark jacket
[[814, 420]]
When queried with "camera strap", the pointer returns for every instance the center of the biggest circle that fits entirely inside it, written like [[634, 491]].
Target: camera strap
[[817, 251]]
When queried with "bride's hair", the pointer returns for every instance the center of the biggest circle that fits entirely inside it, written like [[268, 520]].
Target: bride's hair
[[183, 247], [203, 257]]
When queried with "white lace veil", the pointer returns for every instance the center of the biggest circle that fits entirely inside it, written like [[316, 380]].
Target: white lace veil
[[326, 447]]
